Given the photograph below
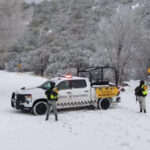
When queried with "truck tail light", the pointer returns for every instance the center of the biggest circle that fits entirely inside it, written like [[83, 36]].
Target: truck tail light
[[118, 91]]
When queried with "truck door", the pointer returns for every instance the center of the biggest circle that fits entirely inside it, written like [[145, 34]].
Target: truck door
[[65, 91], [80, 91]]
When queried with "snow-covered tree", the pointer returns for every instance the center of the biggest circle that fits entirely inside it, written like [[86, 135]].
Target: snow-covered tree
[[13, 21], [119, 35]]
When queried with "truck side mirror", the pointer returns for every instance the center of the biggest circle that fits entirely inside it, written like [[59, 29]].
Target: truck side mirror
[[22, 88]]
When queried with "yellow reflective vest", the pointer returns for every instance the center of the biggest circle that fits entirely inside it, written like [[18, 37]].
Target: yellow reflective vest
[[54, 97], [144, 89], [54, 94]]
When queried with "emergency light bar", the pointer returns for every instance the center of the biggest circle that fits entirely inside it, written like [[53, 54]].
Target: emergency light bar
[[68, 76]]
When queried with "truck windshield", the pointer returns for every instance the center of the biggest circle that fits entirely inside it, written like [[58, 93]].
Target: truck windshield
[[46, 85]]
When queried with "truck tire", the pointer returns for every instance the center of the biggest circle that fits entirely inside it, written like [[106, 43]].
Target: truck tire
[[103, 103], [39, 108]]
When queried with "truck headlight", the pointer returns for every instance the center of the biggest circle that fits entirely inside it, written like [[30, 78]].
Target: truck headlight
[[28, 97]]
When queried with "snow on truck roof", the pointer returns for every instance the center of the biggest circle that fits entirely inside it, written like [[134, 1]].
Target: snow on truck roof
[[66, 77]]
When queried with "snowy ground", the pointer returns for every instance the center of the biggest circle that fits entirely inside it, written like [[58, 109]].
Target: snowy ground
[[121, 128]]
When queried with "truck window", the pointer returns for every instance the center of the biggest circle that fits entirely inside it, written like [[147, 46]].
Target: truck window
[[46, 85], [64, 85], [79, 84]]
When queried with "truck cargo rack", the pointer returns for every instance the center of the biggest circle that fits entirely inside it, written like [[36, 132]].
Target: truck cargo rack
[[101, 69]]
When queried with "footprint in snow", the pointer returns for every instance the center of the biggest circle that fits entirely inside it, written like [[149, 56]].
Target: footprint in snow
[[148, 141], [125, 144]]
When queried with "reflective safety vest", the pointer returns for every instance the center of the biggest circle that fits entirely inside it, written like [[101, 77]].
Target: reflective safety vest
[[144, 88], [54, 97], [54, 94]]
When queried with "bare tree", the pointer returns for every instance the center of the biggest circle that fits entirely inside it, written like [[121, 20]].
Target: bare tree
[[118, 36], [39, 60]]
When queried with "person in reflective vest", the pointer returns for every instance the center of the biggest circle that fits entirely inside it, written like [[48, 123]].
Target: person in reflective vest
[[52, 96], [141, 92]]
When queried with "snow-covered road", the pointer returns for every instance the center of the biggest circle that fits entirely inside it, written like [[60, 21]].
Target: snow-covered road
[[120, 128]]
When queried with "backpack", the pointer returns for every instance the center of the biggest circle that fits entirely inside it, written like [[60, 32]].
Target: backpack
[[138, 91]]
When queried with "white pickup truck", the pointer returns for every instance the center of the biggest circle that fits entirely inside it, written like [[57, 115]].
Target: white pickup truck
[[73, 92]]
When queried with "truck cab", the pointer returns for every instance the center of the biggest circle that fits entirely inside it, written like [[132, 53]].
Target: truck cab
[[72, 91]]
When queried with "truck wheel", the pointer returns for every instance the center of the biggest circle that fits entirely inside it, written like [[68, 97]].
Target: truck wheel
[[39, 108], [104, 103]]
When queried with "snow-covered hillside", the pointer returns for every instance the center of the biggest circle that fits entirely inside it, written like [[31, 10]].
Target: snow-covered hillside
[[120, 128]]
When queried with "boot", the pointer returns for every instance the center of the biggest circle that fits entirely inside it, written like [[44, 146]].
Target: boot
[[56, 118], [144, 110], [46, 118], [140, 109]]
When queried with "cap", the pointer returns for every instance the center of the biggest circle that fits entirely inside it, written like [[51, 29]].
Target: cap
[[142, 82]]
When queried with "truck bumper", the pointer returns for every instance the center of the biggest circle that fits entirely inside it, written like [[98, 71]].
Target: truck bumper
[[19, 103], [116, 100]]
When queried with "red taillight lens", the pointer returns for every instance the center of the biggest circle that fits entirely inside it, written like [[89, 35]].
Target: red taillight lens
[[118, 91]]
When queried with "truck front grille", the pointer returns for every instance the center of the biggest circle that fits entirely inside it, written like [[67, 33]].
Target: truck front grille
[[20, 98]]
